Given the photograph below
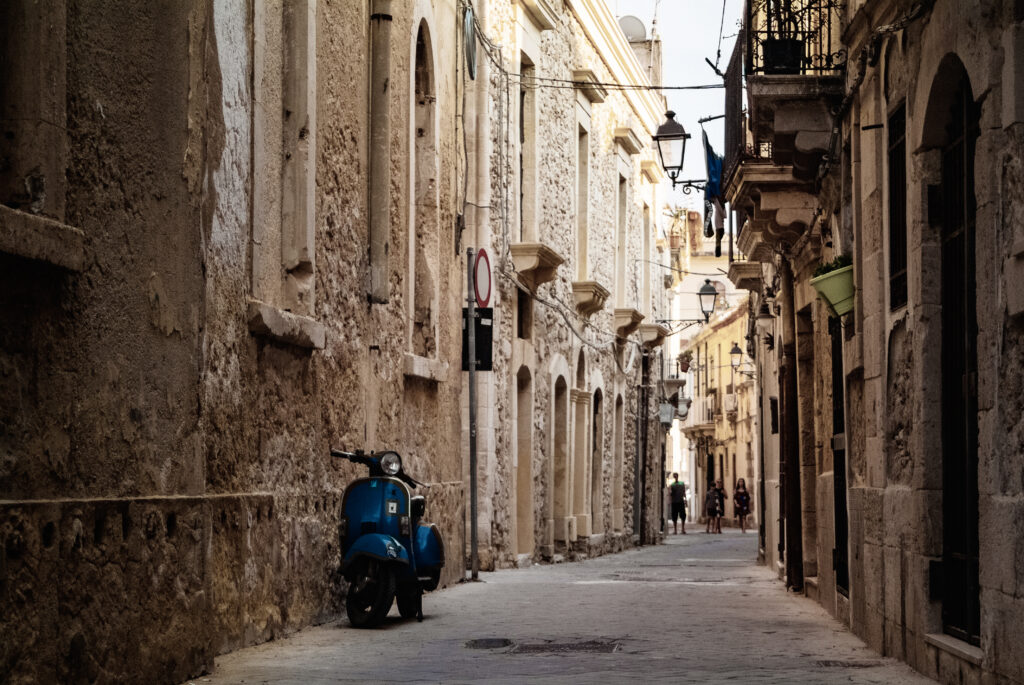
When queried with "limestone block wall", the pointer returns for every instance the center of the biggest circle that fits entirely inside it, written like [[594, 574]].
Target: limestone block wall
[[552, 353], [893, 362], [166, 488]]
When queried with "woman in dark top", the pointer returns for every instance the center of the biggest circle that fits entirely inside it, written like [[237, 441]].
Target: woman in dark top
[[741, 503]]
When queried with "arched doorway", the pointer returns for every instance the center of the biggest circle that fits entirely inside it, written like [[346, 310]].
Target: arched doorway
[[560, 461], [597, 466], [952, 124], [580, 469], [524, 462], [618, 465]]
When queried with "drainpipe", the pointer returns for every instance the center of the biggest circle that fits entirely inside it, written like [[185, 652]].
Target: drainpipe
[[478, 216], [380, 148]]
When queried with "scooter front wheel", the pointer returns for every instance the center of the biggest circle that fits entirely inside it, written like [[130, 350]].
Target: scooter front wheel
[[410, 601], [370, 594]]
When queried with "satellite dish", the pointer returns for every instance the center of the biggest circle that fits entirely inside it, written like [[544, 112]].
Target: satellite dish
[[633, 28]]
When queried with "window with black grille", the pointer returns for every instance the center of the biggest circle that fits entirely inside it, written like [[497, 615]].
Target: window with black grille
[[898, 208]]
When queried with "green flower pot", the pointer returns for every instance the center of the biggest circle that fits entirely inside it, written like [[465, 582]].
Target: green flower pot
[[836, 288]]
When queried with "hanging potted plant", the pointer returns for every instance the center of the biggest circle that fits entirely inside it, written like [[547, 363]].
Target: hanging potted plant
[[834, 283], [684, 361]]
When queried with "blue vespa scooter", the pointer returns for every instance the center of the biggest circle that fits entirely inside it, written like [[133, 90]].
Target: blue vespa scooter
[[387, 551]]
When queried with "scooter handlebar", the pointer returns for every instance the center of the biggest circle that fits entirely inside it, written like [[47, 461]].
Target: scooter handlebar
[[357, 457]]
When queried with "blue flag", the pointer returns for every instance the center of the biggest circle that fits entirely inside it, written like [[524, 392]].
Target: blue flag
[[713, 189]]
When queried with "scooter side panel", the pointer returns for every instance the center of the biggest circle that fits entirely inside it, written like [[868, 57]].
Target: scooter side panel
[[373, 505], [429, 546], [378, 546]]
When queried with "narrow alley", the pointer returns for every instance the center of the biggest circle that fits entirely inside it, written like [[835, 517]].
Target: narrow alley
[[697, 609]]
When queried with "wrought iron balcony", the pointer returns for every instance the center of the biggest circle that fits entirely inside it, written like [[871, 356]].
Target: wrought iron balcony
[[794, 37]]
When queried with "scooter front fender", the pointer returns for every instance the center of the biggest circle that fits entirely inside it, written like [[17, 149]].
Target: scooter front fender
[[377, 546]]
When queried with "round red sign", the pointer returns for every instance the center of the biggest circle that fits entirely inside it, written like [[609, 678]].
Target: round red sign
[[482, 278]]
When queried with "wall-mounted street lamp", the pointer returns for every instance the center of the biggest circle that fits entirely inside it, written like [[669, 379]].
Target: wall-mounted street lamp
[[766, 323], [670, 138], [707, 296], [736, 355], [671, 141]]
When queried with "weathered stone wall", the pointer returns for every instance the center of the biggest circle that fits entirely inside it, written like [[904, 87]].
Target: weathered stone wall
[[554, 350], [893, 362], [166, 484]]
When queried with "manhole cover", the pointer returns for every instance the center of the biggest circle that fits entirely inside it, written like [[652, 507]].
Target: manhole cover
[[847, 664], [592, 646], [489, 643]]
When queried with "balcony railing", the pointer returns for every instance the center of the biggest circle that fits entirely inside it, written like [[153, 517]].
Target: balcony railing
[[739, 144], [702, 412], [794, 37]]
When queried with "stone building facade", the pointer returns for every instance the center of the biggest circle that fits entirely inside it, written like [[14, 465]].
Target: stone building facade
[[721, 422], [232, 235], [186, 327], [890, 132], [573, 198]]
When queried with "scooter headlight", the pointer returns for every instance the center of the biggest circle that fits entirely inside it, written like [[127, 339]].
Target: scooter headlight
[[391, 463]]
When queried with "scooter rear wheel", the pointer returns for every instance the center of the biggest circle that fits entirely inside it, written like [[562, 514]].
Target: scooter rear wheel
[[370, 594], [410, 601]]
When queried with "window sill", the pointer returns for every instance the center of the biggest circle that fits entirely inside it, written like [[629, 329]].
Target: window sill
[[415, 366], [45, 240], [285, 327], [958, 648]]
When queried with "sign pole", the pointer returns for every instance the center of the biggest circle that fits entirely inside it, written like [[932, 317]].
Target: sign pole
[[471, 333]]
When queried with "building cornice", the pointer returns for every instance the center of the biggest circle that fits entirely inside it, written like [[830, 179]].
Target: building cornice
[[606, 36]]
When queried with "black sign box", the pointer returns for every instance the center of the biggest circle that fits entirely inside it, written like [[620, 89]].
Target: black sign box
[[484, 338]]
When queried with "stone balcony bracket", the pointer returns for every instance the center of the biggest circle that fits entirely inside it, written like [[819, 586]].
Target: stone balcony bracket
[[44, 240], [541, 12], [629, 140], [588, 84], [425, 368], [627, 320], [536, 263], [285, 327], [590, 296], [653, 334], [673, 385], [745, 275]]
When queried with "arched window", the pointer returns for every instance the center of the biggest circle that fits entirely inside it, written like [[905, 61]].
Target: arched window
[[422, 272]]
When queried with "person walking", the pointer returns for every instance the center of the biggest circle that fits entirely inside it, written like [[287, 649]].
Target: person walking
[[711, 511], [741, 503], [722, 497], [677, 491]]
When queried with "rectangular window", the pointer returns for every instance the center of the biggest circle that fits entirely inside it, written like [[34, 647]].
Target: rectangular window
[[898, 208], [284, 155], [620, 247], [773, 404], [527, 152], [524, 315], [582, 201], [645, 297]]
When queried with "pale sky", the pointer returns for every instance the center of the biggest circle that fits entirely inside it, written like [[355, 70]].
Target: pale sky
[[689, 31]]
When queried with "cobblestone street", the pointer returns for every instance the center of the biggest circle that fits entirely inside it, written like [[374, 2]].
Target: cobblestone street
[[697, 609]]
